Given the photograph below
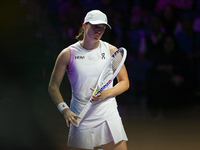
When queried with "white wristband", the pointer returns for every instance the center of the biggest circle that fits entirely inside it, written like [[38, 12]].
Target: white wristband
[[62, 106]]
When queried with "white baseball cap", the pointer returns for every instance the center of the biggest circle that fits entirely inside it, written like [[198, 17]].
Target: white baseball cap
[[96, 17]]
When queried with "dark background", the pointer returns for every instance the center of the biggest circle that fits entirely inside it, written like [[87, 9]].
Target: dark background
[[32, 34]]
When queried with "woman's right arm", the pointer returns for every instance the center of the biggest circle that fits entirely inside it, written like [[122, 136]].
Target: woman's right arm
[[55, 81]]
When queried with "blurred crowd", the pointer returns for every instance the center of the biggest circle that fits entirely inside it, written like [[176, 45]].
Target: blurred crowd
[[161, 36]]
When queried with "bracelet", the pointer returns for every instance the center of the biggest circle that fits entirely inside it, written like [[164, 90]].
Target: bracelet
[[62, 106]]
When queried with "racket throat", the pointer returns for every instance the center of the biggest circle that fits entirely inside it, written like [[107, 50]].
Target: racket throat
[[96, 92]]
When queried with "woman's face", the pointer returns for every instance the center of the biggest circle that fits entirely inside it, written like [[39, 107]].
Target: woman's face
[[94, 32]]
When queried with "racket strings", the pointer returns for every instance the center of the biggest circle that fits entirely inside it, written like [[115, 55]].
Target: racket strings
[[107, 75], [110, 69], [117, 61], [114, 64]]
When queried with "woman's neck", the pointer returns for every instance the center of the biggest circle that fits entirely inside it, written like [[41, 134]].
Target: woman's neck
[[89, 45]]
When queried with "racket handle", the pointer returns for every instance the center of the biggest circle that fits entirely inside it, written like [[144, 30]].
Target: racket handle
[[84, 111]]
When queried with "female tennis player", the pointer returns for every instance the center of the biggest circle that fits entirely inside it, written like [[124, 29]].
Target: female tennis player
[[83, 61]]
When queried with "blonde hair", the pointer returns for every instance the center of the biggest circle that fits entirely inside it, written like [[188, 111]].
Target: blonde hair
[[80, 34]]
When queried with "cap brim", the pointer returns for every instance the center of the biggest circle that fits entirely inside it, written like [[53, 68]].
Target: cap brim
[[99, 22]]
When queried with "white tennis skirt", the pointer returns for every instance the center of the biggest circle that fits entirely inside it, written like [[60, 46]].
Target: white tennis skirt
[[110, 129]]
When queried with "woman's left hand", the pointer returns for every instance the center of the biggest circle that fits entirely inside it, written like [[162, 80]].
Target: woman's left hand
[[99, 97]]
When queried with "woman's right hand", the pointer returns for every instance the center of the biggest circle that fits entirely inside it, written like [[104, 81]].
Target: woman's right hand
[[70, 117]]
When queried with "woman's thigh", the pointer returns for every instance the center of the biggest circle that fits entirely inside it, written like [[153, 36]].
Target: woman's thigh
[[111, 146], [77, 149]]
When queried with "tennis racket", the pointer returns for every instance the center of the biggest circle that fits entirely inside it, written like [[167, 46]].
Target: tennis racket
[[108, 74]]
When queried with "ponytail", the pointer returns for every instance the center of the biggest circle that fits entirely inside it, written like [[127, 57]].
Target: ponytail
[[80, 35]]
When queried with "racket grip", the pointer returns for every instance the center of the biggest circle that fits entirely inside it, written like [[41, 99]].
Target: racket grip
[[83, 112]]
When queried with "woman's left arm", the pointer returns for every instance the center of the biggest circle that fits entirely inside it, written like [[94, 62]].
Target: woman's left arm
[[120, 87]]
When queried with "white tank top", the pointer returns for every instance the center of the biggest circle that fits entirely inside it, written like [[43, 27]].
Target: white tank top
[[83, 72]]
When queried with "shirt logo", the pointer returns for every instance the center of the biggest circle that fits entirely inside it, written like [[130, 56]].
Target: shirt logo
[[102, 55], [79, 57]]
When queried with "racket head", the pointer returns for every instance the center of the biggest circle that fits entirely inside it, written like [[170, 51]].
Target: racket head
[[111, 69]]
